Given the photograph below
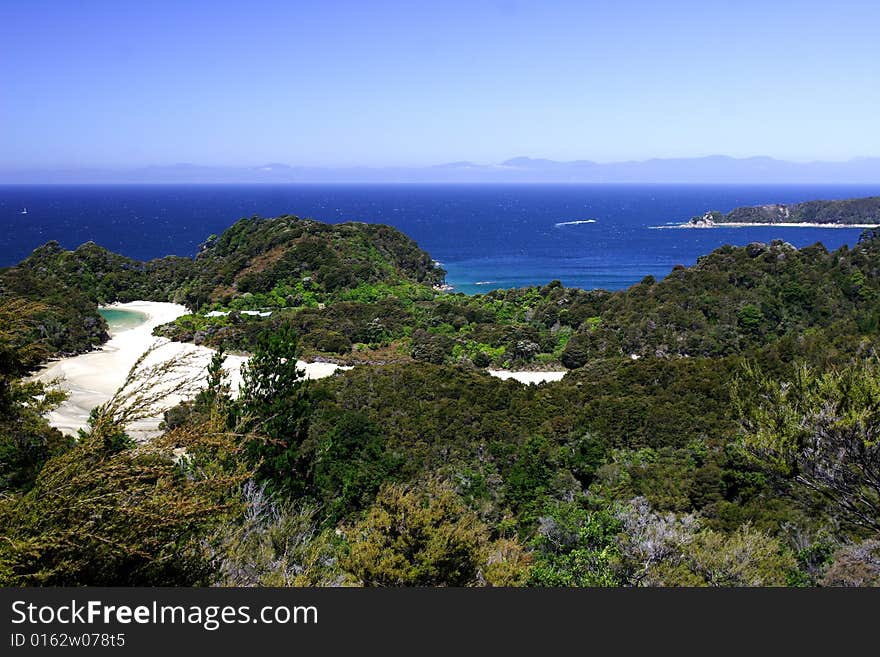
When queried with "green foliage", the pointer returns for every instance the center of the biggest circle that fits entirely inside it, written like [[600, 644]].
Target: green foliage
[[112, 436], [846, 211], [26, 439], [659, 460], [352, 261], [733, 301], [349, 465], [576, 353], [820, 429], [417, 537], [126, 517], [576, 547], [41, 316], [743, 558], [528, 479], [272, 410], [750, 318], [430, 348], [217, 389], [630, 544], [503, 328], [330, 341], [275, 544]]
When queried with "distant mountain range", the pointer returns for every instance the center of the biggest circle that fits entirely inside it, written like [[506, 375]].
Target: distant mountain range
[[712, 169]]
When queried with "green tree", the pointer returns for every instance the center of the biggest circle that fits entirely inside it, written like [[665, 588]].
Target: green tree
[[746, 557], [529, 476], [349, 464], [273, 410], [821, 430], [576, 352], [26, 439], [133, 516], [666, 549], [576, 547], [750, 318], [417, 536], [217, 387]]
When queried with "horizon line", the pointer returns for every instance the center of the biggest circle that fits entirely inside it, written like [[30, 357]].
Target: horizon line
[[450, 163]]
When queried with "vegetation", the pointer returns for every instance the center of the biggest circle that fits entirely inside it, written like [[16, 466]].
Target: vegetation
[[128, 516], [849, 211], [821, 429], [716, 428]]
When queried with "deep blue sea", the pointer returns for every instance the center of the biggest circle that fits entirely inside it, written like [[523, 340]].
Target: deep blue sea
[[486, 236]]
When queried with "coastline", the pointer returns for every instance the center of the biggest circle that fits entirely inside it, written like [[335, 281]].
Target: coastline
[[93, 378], [757, 224]]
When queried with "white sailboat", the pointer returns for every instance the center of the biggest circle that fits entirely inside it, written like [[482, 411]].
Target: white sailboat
[[24, 211]]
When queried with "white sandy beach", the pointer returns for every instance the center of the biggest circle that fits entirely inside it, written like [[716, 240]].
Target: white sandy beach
[[763, 225], [91, 379], [527, 377]]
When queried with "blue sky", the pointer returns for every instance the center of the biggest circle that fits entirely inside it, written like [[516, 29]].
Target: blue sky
[[411, 83]]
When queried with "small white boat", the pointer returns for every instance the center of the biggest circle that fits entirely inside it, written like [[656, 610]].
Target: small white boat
[[24, 211]]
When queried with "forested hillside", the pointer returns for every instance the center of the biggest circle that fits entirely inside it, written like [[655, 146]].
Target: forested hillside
[[848, 211], [718, 427], [257, 263]]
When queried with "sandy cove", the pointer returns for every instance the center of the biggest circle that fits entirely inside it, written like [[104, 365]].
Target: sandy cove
[[92, 378]]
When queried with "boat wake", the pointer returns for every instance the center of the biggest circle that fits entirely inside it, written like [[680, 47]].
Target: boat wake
[[575, 223]]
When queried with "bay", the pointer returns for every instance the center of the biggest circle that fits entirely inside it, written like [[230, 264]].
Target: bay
[[486, 236]]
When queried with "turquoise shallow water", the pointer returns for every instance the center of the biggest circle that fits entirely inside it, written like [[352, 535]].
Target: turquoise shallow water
[[122, 320]]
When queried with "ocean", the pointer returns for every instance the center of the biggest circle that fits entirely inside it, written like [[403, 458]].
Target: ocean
[[486, 236]]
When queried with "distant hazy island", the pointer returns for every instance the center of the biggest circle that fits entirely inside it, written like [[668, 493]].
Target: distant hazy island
[[714, 169], [849, 213]]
